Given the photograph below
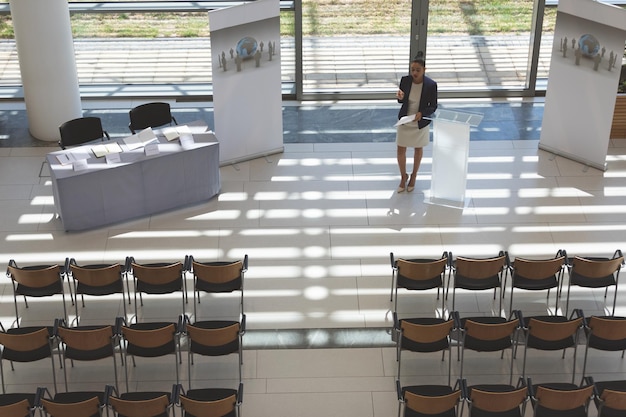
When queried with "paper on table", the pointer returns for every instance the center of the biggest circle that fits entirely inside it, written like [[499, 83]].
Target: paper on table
[[176, 132], [405, 119], [68, 157], [140, 139], [105, 149], [170, 133]]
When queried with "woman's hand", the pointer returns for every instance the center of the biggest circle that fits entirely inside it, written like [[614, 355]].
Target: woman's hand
[[418, 116], [400, 95]]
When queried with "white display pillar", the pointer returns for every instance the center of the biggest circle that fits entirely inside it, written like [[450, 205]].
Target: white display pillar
[[451, 138], [43, 35]]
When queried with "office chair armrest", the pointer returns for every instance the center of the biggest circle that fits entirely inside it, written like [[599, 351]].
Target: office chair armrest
[[12, 264], [128, 264], [57, 324], [531, 389], [578, 313], [457, 320], [177, 389], [240, 394], [109, 390], [243, 324], [39, 394], [119, 322], [399, 391], [396, 322], [520, 317]]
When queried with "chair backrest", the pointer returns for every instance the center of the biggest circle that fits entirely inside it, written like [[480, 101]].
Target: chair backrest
[[563, 400], [596, 268], [158, 274], [214, 337], [553, 331], [422, 270], [87, 408], [497, 401], [149, 115], [538, 269], [97, 276], [475, 268], [490, 331], [140, 408], [81, 130], [431, 404], [87, 339], [35, 277], [25, 342], [608, 328], [218, 272], [19, 409], [426, 333], [615, 400], [149, 338], [219, 407]]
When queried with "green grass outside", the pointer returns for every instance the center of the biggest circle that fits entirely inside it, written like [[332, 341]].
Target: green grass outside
[[324, 18]]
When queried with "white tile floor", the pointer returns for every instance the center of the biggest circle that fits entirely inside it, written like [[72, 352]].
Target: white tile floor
[[318, 223]]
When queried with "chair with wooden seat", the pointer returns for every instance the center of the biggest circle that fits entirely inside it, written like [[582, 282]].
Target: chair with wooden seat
[[595, 272], [607, 333], [222, 402], [72, 403], [550, 333], [429, 400], [141, 403], [36, 281], [86, 344], [485, 400], [476, 274], [81, 130], [157, 278], [214, 338], [150, 340], [18, 409], [558, 399], [418, 275], [609, 397], [26, 344], [537, 275], [423, 335], [488, 334], [150, 115], [217, 277], [96, 280]]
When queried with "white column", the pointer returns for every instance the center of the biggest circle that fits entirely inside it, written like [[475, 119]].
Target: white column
[[45, 48]]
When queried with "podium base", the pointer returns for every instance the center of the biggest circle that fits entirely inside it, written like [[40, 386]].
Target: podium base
[[447, 203]]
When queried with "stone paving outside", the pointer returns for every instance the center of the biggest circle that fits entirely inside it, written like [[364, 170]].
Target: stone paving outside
[[333, 63]]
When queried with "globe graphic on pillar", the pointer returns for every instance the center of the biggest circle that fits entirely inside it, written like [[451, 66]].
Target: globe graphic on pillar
[[589, 45], [246, 47]]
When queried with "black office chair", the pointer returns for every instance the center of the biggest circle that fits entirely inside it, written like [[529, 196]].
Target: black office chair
[[150, 115], [78, 131]]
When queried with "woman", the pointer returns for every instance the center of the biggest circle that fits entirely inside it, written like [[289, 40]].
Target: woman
[[418, 95]]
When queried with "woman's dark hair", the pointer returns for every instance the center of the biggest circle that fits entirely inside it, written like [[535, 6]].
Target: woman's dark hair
[[419, 59]]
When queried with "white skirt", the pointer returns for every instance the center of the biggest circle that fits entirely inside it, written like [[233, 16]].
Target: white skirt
[[410, 136]]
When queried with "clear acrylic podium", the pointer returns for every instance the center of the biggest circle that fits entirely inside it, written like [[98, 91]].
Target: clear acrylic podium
[[451, 137]]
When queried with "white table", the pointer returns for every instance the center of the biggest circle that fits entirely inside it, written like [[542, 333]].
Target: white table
[[138, 185]]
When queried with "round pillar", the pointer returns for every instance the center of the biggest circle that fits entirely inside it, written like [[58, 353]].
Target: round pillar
[[45, 48]]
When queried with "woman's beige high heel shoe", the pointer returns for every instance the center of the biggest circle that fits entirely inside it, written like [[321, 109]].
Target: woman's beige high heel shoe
[[402, 186], [411, 186]]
